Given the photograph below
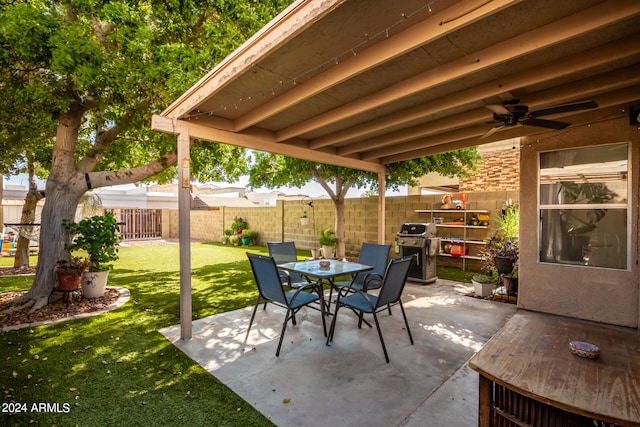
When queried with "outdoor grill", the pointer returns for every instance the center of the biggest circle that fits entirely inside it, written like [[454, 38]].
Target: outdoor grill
[[420, 239]]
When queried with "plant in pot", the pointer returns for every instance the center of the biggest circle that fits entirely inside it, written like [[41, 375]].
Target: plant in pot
[[483, 284], [225, 237], [304, 219], [68, 273], [238, 225], [98, 237], [235, 240], [328, 242], [248, 237]]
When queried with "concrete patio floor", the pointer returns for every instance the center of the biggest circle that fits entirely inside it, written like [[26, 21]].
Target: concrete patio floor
[[349, 383]]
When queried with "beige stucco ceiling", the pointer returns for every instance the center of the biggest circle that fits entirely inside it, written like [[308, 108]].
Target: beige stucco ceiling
[[365, 83]]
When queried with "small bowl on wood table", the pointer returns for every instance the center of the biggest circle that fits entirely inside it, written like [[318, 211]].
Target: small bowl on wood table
[[584, 349]]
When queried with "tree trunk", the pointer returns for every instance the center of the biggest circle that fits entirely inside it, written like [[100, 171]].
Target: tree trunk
[[339, 204], [64, 188], [66, 184], [28, 216]]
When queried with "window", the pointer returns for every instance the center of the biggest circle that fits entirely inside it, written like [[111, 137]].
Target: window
[[584, 212]]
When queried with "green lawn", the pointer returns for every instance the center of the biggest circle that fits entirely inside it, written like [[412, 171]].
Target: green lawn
[[115, 369]]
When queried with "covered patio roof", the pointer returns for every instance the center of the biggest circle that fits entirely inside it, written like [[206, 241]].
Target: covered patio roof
[[366, 83]]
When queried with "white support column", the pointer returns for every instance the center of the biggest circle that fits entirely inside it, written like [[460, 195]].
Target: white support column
[[184, 232], [382, 188]]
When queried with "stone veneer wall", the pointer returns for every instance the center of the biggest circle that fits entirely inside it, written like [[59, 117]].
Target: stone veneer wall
[[282, 222], [499, 170]]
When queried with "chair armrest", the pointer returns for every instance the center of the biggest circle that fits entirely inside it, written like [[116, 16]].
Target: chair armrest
[[284, 277], [371, 277]]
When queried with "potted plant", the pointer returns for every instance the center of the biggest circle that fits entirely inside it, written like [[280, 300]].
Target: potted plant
[[234, 240], [68, 273], [248, 237], [483, 284], [225, 237], [238, 225], [328, 241], [304, 219], [98, 236], [501, 252], [499, 255]]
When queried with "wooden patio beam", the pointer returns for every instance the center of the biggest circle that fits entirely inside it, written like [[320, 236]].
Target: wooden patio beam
[[590, 20], [260, 140], [426, 31]]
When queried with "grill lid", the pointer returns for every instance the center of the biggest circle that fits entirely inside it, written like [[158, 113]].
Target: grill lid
[[417, 229]]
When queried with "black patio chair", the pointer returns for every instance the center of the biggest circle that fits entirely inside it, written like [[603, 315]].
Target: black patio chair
[[390, 293], [283, 252], [270, 289]]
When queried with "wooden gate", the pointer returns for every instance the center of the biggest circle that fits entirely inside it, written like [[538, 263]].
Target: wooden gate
[[139, 224]]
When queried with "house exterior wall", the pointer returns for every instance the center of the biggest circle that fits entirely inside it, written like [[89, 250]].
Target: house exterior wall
[[603, 295]]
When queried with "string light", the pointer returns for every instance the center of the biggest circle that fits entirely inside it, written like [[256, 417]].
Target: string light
[[319, 68]]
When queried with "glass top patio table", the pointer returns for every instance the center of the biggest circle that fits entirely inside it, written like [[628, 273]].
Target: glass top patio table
[[312, 269], [336, 268]]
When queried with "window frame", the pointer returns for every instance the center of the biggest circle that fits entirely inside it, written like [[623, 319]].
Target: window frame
[[540, 207]]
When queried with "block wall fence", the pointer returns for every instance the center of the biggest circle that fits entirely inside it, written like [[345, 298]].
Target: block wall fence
[[282, 222]]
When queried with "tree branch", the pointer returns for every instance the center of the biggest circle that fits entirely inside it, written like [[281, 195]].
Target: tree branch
[[104, 140], [129, 176], [324, 183]]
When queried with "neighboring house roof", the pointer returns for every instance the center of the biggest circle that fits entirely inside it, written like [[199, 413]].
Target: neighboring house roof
[[205, 201]]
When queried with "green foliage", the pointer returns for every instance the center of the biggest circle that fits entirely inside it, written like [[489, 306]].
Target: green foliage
[[97, 236], [485, 278], [117, 62], [250, 234], [509, 223], [274, 170], [327, 237], [238, 225]]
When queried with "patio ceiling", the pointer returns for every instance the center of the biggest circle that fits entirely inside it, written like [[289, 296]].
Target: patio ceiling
[[365, 83]]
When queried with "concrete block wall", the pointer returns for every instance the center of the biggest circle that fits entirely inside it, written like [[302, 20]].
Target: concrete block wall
[[282, 222]]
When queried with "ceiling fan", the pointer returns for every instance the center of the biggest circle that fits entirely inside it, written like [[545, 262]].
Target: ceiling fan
[[512, 113]]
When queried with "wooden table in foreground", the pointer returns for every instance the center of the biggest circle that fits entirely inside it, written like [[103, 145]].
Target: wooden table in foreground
[[529, 377]]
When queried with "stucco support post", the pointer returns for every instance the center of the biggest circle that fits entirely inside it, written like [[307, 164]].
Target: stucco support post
[[184, 233], [382, 189]]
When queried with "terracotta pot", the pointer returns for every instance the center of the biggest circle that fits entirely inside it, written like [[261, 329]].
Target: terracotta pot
[[67, 279]]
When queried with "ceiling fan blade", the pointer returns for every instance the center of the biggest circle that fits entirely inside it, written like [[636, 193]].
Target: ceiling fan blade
[[498, 109], [564, 108], [492, 131], [551, 124]]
